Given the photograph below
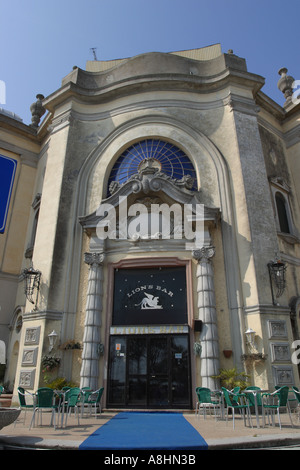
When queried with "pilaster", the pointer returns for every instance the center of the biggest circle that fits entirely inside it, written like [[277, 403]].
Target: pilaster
[[207, 313], [91, 339]]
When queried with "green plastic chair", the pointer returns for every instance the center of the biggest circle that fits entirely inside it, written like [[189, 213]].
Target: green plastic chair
[[45, 400], [24, 405], [63, 393], [296, 393], [272, 402], [71, 402], [84, 402], [94, 400], [235, 397], [1, 389], [205, 400], [233, 402], [297, 397], [251, 397]]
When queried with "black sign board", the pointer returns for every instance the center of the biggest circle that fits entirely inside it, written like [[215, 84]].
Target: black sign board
[[154, 296]]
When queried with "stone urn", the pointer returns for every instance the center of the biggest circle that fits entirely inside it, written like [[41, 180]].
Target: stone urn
[[37, 111], [8, 416]]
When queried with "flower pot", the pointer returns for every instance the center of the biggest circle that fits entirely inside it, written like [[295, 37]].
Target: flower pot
[[227, 353]]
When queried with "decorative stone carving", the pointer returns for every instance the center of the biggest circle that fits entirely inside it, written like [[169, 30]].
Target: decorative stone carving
[[32, 335], [283, 375], [114, 186], [93, 258], [277, 329], [150, 178], [204, 254], [280, 352], [27, 378], [29, 357]]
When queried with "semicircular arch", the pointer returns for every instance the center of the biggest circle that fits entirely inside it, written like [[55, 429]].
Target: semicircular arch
[[208, 162]]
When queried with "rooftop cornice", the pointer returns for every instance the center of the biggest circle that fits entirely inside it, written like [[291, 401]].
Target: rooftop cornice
[[16, 126], [270, 105], [275, 109], [146, 73]]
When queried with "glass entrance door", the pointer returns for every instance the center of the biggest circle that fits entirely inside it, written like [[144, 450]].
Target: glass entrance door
[[158, 372], [136, 371], [149, 371]]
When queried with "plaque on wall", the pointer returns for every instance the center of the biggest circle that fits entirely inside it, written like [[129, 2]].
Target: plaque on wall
[[32, 335], [27, 378], [153, 296], [283, 375], [29, 357], [277, 329], [280, 352]]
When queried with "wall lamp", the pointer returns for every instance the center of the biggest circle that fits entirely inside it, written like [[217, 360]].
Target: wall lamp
[[250, 336], [52, 339], [277, 278], [32, 278]]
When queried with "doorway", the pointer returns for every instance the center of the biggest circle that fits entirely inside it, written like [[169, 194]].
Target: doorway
[[149, 371]]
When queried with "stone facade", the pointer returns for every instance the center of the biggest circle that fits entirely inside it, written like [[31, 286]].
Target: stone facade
[[244, 149]]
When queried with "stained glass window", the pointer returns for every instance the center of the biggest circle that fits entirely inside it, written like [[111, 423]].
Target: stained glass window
[[168, 158]]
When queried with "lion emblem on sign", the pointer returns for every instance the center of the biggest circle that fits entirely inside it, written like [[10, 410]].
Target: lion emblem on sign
[[149, 302]]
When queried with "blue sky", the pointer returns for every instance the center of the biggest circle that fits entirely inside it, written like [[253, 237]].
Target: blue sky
[[42, 40]]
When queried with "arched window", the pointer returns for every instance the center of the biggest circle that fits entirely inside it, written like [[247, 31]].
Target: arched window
[[169, 159], [282, 213]]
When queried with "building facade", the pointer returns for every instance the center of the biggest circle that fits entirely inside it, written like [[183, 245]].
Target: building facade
[[157, 205]]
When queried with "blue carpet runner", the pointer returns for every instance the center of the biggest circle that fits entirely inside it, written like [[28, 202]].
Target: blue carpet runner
[[145, 430]]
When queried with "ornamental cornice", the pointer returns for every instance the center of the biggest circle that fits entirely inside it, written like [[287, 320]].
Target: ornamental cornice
[[150, 179], [60, 122], [242, 104], [43, 315]]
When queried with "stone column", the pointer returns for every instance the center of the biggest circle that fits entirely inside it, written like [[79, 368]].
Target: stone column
[[91, 339], [207, 313]]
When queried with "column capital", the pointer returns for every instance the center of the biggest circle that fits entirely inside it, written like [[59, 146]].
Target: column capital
[[94, 258], [204, 254]]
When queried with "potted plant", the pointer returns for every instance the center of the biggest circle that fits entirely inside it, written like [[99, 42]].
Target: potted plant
[[71, 344], [49, 364], [253, 358], [61, 382], [231, 378]]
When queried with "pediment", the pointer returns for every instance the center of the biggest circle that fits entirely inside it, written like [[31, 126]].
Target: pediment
[[150, 189]]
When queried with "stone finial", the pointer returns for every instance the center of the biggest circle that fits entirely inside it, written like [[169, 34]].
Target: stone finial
[[285, 84], [37, 111]]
